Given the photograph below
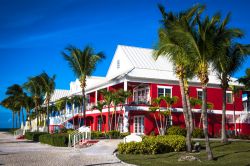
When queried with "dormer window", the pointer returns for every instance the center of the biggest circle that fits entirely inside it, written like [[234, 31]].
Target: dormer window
[[118, 64]]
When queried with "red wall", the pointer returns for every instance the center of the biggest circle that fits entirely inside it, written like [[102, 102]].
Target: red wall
[[214, 95]]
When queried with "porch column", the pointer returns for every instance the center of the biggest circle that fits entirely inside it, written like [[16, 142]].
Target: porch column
[[125, 120], [96, 96]]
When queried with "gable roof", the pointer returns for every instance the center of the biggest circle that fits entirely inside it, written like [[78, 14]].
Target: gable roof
[[141, 64]]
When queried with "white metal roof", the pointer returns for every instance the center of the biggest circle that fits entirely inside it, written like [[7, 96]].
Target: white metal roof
[[59, 93], [139, 63]]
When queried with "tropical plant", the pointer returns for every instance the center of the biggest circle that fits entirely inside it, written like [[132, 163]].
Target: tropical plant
[[99, 106], [48, 86], [8, 103], [123, 96], [229, 58], [162, 114], [246, 81], [83, 63], [108, 98], [35, 89], [172, 45]]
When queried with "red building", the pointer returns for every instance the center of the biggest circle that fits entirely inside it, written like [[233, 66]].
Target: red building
[[134, 69]]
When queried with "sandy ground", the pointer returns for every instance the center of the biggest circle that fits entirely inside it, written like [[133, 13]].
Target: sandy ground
[[27, 153]]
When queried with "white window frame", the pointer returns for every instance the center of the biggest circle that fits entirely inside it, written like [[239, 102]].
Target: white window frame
[[229, 92], [120, 124], [136, 90], [199, 90], [99, 125], [138, 126], [165, 87]]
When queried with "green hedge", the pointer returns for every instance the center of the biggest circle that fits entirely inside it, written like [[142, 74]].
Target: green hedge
[[60, 140], [97, 135], [154, 145], [113, 134], [34, 136], [198, 133], [176, 130]]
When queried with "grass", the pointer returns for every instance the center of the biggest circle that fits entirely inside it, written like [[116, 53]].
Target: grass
[[232, 154]]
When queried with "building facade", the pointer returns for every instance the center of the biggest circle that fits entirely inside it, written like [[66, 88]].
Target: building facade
[[134, 69]]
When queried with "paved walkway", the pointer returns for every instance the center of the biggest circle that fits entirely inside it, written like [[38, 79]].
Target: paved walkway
[[22, 153]]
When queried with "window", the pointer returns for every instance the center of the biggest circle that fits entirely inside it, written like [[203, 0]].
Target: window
[[99, 124], [118, 64], [229, 97], [139, 124], [199, 94], [120, 124], [169, 120], [141, 95], [164, 91]]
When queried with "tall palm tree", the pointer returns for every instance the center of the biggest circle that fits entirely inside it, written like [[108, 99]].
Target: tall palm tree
[[83, 63], [28, 105], [229, 57], [123, 95], [8, 103], [172, 46], [226, 65], [18, 95], [108, 98], [34, 87], [99, 106], [48, 87]]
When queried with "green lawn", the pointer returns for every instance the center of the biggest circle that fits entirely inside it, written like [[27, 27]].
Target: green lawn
[[232, 154]]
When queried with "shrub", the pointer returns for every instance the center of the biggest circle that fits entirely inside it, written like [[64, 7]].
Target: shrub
[[60, 140], [122, 135], [113, 134], [198, 133], [34, 136], [63, 130], [176, 130], [154, 145], [69, 131], [96, 134]]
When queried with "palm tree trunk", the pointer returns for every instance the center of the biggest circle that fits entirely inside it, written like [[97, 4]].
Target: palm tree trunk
[[190, 114], [115, 118], [23, 118], [16, 120], [47, 116], [109, 124], [189, 110], [19, 118], [205, 122], [13, 119], [186, 116], [223, 123], [84, 106], [37, 129]]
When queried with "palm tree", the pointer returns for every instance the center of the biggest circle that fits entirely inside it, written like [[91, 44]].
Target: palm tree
[[108, 98], [229, 57], [8, 103], [226, 65], [246, 81], [99, 106], [48, 87], [18, 95], [123, 96], [83, 63], [35, 89], [175, 49], [28, 105]]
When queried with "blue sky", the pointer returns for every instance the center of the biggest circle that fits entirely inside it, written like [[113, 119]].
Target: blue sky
[[34, 33]]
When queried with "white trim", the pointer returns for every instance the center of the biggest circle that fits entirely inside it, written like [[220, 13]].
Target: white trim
[[162, 86], [229, 91], [198, 89]]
